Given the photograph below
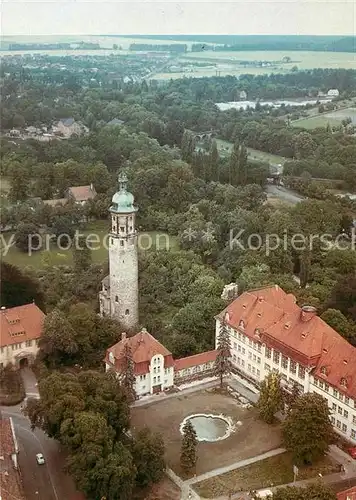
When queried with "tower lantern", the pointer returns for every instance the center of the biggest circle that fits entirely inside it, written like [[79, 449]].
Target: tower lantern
[[119, 295]]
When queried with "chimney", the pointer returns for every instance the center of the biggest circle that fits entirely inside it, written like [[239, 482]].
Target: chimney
[[123, 336], [308, 312]]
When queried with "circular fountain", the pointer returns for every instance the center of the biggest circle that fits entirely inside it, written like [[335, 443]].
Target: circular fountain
[[210, 427]]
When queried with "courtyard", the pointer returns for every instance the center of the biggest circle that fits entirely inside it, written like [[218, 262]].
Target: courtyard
[[251, 437]]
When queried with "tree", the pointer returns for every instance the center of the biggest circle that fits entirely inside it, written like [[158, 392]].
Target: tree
[[234, 164], [63, 230], [222, 365], [343, 296], [271, 397], [17, 288], [58, 341], [148, 455], [242, 169], [128, 379], [188, 456], [214, 162], [307, 431], [341, 324], [28, 238], [81, 255], [290, 398], [316, 491], [19, 182]]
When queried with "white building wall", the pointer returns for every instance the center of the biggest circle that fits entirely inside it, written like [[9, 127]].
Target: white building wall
[[13, 353], [255, 360]]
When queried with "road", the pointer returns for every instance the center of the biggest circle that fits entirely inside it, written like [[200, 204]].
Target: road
[[40, 482], [284, 194]]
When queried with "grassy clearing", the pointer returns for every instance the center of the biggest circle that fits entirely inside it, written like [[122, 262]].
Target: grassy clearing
[[304, 60], [254, 154], [270, 472], [334, 119], [55, 256]]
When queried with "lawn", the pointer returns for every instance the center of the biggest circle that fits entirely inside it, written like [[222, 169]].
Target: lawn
[[334, 118], [99, 230], [250, 438], [253, 154], [269, 472]]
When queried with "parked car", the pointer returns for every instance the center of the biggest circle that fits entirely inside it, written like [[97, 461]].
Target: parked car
[[40, 459], [352, 452]]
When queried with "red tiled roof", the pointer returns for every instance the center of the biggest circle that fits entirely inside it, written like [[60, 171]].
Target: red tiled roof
[[7, 445], [143, 347], [347, 494], [82, 193], [196, 359], [301, 335], [21, 323]]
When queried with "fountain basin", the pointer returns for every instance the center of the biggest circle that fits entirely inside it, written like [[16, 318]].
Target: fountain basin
[[209, 427]]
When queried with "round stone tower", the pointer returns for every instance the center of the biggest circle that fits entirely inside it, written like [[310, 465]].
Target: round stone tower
[[123, 262]]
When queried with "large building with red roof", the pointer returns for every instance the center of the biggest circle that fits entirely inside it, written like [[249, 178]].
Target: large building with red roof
[[349, 494], [270, 332], [154, 367], [21, 329]]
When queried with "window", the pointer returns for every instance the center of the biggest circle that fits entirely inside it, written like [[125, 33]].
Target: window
[[259, 361], [154, 370], [243, 350], [346, 414], [339, 410], [239, 348], [249, 355], [333, 420], [254, 357], [268, 353], [121, 243], [293, 367], [159, 378], [253, 369], [321, 384], [234, 357], [28, 343], [334, 406], [122, 229], [353, 433], [127, 312], [344, 428], [267, 368], [284, 362], [301, 372], [258, 373], [338, 424], [249, 367], [343, 382], [250, 342], [242, 324], [323, 370], [235, 345], [335, 393], [116, 298], [112, 241], [341, 396], [242, 362], [326, 387], [347, 400], [154, 379], [354, 419], [240, 335]]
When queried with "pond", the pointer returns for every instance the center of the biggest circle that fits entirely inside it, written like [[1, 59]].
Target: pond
[[209, 427]]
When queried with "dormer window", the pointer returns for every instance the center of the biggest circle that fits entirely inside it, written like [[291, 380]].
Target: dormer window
[[323, 370], [287, 326], [325, 350], [242, 324], [343, 382], [111, 358], [227, 317], [259, 315]]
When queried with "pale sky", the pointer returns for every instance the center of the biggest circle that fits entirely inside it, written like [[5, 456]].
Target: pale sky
[[81, 17]]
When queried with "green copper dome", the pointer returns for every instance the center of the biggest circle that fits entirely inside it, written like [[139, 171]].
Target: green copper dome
[[123, 201]]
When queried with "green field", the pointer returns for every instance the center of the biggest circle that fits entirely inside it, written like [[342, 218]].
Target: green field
[[253, 154], [304, 60], [55, 256], [333, 118]]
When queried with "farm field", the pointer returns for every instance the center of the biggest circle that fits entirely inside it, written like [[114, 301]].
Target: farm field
[[55, 256], [254, 154], [271, 471], [304, 60], [251, 437], [204, 72], [334, 118]]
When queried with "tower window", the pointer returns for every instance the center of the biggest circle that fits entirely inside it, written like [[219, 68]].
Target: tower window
[[127, 312], [121, 243], [116, 298]]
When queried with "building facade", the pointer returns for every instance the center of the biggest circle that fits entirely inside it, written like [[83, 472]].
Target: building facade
[[153, 363], [119, 294], [21, 329], [270, 332]]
